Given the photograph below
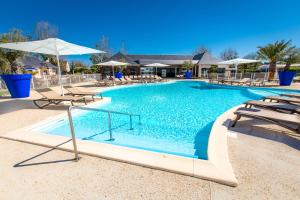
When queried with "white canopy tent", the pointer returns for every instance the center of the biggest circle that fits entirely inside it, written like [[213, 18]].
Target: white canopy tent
[[238, 61], [156, 65], [113, 64], [51, 46]]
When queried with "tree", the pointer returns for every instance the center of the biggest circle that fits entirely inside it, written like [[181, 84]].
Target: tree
[[44, 30], [292, 57], [274, 52], [213, 69], [123, 48], [229, 54], [8, 57], [4, 66], [252, 56], [79, 67], [103, 45], [188, 65], [201, 49]]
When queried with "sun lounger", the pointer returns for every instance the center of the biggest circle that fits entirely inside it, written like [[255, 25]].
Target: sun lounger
[[291, 95], [180, 76], [76, 92], [220, 80], [51, 97], [291, 108], [290, 100], [258, 82], [158, 78], [117, 81], [130, 80], [127, 78], [288, 121], [244, 81], [104, 82], [124, 81], [227, 81]]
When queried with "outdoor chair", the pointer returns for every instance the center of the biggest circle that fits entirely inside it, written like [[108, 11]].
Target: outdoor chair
[[291, 95], [158, 78], [243, 81], [124, 81], [288, 121], [117, 81], [290, 100], [258, 82], [280, 107], [104, 82], [130, 80], [51, 97], [76, 92]]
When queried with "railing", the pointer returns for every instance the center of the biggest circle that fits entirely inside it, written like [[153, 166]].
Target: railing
[[255, 75], [46, 81], [109, 112]]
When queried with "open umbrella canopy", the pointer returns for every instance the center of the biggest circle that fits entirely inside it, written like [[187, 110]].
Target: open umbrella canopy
[[50, 46], [238, 61], [157, 65], [113, 63]]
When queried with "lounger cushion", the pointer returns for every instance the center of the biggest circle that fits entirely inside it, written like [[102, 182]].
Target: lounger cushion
[[268, 114], [271, 105], [285, 99]]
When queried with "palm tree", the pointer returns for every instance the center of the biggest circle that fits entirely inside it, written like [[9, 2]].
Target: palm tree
[[275, 52], [292, 57]]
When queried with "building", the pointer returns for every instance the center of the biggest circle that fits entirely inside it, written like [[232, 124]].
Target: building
[[201, 63], [36, 66]]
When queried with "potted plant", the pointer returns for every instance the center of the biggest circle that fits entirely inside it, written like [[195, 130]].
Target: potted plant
[[275, 52], [286, 76], [16, 81], [188, 65]]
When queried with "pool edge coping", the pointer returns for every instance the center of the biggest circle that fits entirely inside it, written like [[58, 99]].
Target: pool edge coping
[[217, 168]]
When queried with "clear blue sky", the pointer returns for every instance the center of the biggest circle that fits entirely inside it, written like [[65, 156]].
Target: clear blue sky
[[161, 26]]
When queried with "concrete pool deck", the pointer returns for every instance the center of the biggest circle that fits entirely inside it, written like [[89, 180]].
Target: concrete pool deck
[[268, 171]]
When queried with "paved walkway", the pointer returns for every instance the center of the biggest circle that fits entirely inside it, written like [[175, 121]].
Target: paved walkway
[[266, 163]]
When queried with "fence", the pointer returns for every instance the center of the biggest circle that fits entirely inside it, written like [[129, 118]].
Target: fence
[[257, 75], [52, 80]]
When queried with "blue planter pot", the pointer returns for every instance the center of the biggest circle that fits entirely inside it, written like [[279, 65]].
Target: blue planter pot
[[188, 74], [18, 84], [286, 77], [119, 75]]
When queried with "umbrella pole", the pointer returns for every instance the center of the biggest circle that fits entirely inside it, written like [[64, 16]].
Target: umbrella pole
[[235, 71], [59, 76], [113, 72]]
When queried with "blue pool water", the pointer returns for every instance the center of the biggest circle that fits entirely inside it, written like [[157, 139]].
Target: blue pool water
[[176, 117]]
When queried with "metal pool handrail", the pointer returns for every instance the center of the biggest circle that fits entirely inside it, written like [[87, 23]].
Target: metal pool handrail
[[109, 112]]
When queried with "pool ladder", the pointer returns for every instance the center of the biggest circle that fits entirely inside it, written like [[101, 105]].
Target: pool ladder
[[109, 112]]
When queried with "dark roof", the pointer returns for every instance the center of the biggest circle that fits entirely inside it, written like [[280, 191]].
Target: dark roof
[[144, 59], [32, 61], [206, 59], [137, 58], [123, 58], [160, 57], [167, 62]]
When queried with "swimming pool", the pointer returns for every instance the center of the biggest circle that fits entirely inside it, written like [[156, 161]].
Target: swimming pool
[[176, 117]]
